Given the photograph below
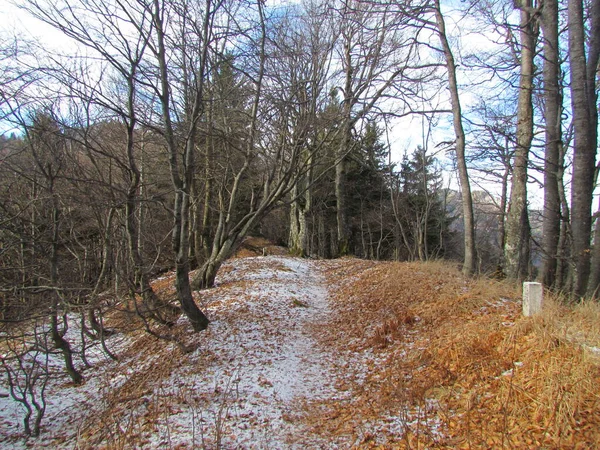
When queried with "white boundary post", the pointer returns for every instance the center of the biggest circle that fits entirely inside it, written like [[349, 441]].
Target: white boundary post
[[533, 298]]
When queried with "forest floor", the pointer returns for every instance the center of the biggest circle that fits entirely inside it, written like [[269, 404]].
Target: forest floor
[[334, 354]]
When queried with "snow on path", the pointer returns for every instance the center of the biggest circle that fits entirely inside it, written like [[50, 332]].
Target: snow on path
[[272, 362], [244, 387]]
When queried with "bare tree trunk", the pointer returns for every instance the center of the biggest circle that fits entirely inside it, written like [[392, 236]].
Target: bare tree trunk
[[201, 231], [182, 184], [227, 236], [562, 281], [516, 249], [340, 185], [299, 209], [584, 151], [401, 228], [57, 337], [106, 260], [463, 175], [344, 149], [591, 78], [594, 282], [552, 113], [321, 237], [504, 198], [151, 303], [208, 193]]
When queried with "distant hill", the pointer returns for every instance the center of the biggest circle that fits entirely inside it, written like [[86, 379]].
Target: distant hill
[[488, 212]]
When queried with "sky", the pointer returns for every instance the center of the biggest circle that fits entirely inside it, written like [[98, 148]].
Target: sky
[[403, 135]]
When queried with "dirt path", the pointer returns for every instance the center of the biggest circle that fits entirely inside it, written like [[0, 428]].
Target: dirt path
[[266, 310], [245, 386]]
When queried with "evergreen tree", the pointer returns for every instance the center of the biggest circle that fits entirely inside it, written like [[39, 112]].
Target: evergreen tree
[[420, 212], [370, 222]]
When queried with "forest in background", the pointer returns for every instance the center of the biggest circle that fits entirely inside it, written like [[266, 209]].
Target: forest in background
[[172, 129]]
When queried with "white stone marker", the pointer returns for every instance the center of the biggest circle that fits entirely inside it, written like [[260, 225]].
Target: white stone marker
[[533, 298]]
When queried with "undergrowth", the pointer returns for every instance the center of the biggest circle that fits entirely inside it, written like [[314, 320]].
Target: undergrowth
[[461, 367]]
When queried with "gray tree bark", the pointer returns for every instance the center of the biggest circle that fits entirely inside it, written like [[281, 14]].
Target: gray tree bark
[[516, 247], [299, 209], [343, 150], [591, 78], [584, 151], [463, 175], [552, 115], [182, 181]]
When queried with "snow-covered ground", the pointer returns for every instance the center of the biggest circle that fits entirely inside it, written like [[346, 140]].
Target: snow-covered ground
[[246, 385]]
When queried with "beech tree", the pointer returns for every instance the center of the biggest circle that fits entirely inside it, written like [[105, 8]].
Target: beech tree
[[308, 62], [181, 154], [516, 247], [376, 51], [553, 136], [583, 103], [467, 200], [279, 138], [592, 68]]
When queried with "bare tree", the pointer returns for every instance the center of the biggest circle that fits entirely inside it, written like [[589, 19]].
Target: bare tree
[[182, 167], [302, 48], [378, 52], [552, 116], [584, 150], [516, 248], [592, 102], [26, 368], [48, 147], [93, 25], [467, 200], [271, 154]]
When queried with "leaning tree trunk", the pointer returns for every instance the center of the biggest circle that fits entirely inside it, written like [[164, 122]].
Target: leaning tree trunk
[[228, 236], [207, 274], [463, 175], [584, 152], [516, 248], [181, 248], [57, 336], [182, 182], [552, 113]]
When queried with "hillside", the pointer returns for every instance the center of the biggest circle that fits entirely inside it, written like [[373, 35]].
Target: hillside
[[335, 354]]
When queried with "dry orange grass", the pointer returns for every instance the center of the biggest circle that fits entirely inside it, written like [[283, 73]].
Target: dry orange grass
[[258, 246], [461, 361]]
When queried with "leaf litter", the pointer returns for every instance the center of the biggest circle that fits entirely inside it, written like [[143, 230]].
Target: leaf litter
[[336, 354]]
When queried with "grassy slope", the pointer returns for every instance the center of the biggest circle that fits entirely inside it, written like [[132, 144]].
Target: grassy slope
[[460, 360]]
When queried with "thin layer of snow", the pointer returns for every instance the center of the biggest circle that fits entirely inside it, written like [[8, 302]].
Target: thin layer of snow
[[274, 364], [64, 401], [265, 366]]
